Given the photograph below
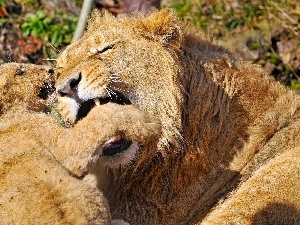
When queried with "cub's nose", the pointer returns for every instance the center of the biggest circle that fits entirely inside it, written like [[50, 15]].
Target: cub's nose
[[70, 89]]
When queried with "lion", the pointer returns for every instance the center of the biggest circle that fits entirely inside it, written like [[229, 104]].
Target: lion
[[229, 144], [26, 84], [35, 186]]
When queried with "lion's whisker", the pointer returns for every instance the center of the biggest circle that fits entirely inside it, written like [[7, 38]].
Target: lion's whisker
[[121, 90], [48, 59], [112, 92], [107, 91], [116, 79]]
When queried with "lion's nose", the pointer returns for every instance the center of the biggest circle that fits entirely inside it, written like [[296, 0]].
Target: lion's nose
[[70, 89]]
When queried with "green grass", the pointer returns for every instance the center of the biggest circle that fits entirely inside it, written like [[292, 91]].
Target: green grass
[[234, 21], [221, 16], [55, 30]]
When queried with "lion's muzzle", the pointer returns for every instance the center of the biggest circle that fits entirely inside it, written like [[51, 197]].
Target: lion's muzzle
[[70, 90]]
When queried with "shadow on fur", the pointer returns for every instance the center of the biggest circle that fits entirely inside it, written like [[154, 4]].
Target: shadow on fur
[[277, 214]]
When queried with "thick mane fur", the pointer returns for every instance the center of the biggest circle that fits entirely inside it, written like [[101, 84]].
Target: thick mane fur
[[222, 119]]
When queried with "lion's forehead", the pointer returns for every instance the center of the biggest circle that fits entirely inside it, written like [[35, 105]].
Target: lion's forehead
[[135, 59], [81, 50]]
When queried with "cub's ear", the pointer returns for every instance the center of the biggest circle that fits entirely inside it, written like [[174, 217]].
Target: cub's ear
[[162, 26]]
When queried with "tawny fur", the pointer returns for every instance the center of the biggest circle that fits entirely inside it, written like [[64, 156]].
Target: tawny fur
[[26, 84], [226, 126], [35, 186]]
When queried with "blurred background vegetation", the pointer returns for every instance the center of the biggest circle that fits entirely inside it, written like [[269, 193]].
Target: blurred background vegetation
[[265, 32]]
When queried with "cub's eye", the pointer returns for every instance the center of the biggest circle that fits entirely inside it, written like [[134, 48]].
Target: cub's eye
[[74, 82]]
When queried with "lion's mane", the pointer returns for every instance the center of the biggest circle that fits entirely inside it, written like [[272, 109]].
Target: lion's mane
[[226, 126]]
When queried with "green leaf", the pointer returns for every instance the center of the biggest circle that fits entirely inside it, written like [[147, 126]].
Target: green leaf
[[40, 14], [24, 25], [47, 20], [59, 40], [54, 37], [295, 84], [2, 3], [274, 59], [26, 32], [2, 20]]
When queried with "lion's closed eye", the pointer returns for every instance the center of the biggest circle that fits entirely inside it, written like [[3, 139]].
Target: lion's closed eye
[[103, 48], [106, 48]]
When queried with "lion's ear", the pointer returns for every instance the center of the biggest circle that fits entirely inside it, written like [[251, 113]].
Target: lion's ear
[[100, 20], [162, 26]]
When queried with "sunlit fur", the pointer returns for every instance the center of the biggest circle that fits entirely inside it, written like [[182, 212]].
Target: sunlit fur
[[226, 126], [20, 84], [35, 186]]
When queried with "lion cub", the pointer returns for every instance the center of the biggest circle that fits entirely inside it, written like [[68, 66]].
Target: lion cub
[[42, 163], [26, 84]]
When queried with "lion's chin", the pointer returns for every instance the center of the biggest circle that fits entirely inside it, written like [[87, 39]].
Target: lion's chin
[[120, 159]]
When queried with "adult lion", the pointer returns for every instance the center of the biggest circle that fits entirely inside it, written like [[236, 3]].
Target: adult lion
[[226, 126]]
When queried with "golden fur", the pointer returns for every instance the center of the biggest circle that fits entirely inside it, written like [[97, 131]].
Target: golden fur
[[38, 155], [226, 126], [26, 84]]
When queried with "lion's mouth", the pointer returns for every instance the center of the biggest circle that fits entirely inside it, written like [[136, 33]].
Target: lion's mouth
[[118, 143], [86, 106]]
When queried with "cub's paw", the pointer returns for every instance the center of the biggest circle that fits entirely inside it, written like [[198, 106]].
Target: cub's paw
[[128, 120], [111, 134], [124, 128]]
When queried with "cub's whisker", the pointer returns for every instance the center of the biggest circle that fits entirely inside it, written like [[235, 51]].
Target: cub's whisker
[[48, 59]]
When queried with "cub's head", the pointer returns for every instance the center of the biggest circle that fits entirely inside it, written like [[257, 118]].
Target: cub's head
[[26, 84], [127, 61]]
